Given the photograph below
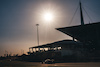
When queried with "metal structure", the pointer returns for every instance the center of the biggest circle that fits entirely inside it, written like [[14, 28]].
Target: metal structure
[[37, 35], [86, 33]]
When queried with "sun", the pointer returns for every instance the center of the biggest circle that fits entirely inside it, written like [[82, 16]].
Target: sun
[[48, 16]]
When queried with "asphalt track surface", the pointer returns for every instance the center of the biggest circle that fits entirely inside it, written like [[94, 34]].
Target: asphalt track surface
[[38, 64]]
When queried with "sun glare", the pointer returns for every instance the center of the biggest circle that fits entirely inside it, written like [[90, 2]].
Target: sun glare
[[48, 16]]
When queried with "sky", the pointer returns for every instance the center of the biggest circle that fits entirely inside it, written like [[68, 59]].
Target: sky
[[18, 19]]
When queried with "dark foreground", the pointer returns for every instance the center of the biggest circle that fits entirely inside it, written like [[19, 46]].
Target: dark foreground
[[37, 64]]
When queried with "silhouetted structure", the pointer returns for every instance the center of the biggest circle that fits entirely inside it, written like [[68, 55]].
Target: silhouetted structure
[[86, 48], [88, 34], [57, 50]]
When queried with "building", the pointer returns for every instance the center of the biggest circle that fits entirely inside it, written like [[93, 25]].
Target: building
[[88, 34], [86, 48], [57, 50]]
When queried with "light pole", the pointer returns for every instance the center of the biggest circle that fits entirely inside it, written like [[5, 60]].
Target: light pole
[[37, 35]]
